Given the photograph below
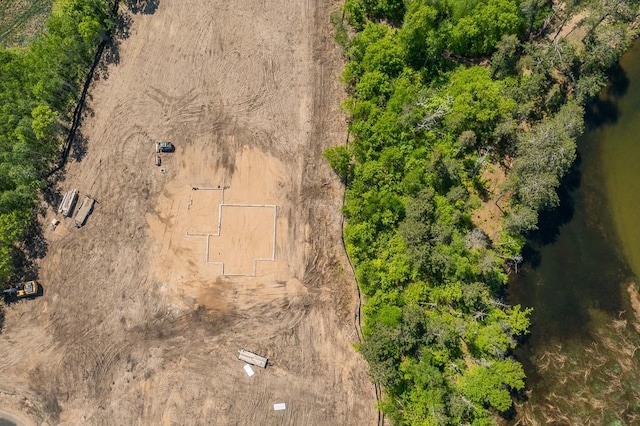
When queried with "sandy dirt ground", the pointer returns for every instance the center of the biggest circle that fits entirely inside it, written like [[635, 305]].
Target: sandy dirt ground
[[146, 306]]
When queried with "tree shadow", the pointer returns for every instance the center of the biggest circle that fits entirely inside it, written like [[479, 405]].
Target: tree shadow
[[34, 244], [600, 111], [51, 194], [531, 255], [482, 190], [122, 31], [550, 221], [145, 7], [603, 109], [79, 112], [111, 54], [618, 81], [79, 146]]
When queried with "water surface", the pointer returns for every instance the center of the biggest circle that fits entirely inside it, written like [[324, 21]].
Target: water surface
[[581, 356], [620, 158]]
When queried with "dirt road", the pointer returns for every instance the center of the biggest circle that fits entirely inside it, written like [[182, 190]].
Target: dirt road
[[145, 307]]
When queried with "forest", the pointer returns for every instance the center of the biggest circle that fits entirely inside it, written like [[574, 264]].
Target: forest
[[443, 95], [40, 84]]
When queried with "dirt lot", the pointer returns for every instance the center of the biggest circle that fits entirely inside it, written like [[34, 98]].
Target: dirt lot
[[145, 308]]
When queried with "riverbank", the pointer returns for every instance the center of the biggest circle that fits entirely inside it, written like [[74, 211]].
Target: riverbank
[[581, 359]]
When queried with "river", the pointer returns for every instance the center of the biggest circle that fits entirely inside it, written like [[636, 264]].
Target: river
[[581, 359]]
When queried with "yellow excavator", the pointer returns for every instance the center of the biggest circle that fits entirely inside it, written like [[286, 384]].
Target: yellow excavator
[[22, 290]]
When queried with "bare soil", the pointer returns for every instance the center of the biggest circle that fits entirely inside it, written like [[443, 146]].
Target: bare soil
[[146, 306], [489, 216]]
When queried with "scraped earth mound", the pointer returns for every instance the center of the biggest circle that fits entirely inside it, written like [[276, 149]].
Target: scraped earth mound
[[232, 242]]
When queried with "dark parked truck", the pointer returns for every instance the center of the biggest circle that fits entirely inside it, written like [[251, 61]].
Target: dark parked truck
[[165, 147], [85, 209]]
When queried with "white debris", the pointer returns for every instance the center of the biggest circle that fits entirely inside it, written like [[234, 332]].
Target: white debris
[[280, 406], [249, 370]]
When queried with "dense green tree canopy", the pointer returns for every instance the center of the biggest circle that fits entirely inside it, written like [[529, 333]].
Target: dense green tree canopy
[[439, 92]]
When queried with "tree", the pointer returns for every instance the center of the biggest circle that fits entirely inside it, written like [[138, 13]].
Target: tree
[[544, 155], [421, 38], [382, 350], [340, 160], [478, 101], [521, 219], [504, 59], [490, 385], [359, 11], [44, 121], [423, 120], [12, 226], [481, 26], [535, 13]]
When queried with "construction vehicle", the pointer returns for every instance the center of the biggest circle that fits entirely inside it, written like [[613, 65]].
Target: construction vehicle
[[165, 147], [22, 290]]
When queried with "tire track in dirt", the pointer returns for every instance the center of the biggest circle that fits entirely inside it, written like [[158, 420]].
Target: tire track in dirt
[[97, 364]]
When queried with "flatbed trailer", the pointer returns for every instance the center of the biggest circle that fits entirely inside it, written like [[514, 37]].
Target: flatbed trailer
[[251, 358], [68, 203], [85, 209]]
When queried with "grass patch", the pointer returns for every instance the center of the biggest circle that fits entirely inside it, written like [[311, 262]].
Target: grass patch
[[22, 19], [339, 25]]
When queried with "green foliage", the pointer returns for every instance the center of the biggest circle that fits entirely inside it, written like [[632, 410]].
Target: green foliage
[[359, 11], [490, 385], [479, 25], [12, 226], [383, 349], [523, 218], [479, 101], [535, 12], [340, 160], [505, 58], [420, 37]]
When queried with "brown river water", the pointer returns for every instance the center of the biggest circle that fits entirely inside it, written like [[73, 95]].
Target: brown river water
[[582, 358]]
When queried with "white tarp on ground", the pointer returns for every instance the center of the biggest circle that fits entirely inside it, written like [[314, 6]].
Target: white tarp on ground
[[280, 406], [249, 370]]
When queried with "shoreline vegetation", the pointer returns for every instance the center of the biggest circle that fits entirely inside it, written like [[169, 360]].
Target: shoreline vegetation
[[463, 119]]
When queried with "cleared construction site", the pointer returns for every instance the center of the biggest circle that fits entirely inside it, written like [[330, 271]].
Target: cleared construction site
[[249, 229], [146, 306]]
